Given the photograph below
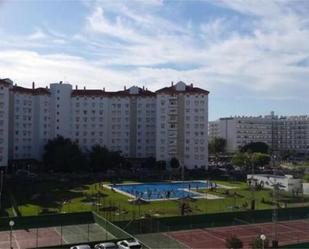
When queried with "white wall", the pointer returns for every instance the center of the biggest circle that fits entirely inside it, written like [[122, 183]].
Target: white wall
[[133, 121], [90, 121], [290, 132], [288, 183], [61, 109], [23, 125], [4, 124], [42, 126], [306, 188], [182, 126]]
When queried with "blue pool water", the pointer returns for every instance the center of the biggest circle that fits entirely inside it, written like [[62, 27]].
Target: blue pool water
[[162, 190]]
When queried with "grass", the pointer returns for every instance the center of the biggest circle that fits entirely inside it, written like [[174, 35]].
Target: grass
[[54, 196]]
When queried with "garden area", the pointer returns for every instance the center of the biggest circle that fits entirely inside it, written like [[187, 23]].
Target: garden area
[[65, 195]]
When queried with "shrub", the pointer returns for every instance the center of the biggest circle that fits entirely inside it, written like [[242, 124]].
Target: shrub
[[233, 242], [257, 243]]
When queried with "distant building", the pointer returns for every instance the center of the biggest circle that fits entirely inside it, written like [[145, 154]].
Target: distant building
[[285, 133], [171, 122], [287, 182]]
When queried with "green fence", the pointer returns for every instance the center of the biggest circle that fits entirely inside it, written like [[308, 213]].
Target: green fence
[[113, 229], [51, 220], [72, 227], [66, 246], [296, 246], [153, 225], [110, 227]]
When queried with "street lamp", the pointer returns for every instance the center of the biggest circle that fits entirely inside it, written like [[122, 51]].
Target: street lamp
[[263, 238], [11, 223]]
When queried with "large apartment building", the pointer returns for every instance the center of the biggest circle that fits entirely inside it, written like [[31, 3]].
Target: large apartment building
[[284, 133], [171, 122], [4, 120], [182, 121]]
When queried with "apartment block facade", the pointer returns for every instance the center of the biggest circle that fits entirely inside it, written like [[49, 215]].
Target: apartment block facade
[[182, 118], [284, 133], [4, 120], [129, 121]]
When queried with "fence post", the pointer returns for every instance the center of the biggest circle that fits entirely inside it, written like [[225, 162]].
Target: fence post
[[158, 230], [88, 228], [61, 234], [105, 228], [37, 238]]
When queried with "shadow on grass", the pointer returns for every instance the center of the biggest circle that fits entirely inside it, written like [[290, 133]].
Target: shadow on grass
[[49, 194]]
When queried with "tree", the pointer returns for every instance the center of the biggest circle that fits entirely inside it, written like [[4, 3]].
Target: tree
[[61, 154], [174, 163], [150, 163], [306, 178], [260, 159], [233, 242], [285, 155], [116, 160], [258, 243], [255, 147], [217, 145], [241, 159], [98, 158], [161, 165]]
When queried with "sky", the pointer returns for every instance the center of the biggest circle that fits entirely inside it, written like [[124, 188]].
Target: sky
[[252, 55]]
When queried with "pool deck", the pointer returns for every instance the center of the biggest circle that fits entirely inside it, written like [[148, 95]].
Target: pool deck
[[200, 195]]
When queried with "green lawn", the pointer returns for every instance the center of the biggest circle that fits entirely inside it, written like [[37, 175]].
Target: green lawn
[[66, 196]]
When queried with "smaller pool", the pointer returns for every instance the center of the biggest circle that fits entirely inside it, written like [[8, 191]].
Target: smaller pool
[[162, 190]]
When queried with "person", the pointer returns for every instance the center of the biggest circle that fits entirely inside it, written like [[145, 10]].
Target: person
[[189, 186]]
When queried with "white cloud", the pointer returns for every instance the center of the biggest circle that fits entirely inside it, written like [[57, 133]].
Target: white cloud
[[38, 35], [26, 67], [153, 48]]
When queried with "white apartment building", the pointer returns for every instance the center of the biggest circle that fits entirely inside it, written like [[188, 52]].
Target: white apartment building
[[281, 133], [29, 120], [122, 121], [4, 120], [125, 121], [182, 120]]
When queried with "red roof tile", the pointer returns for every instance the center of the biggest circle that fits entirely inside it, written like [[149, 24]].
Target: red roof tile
[[37, 91], [4, 82], [99, 93], [189, 89]]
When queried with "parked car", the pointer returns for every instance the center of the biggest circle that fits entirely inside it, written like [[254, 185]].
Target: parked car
[[129, 244], [106, 245], [25, 173], [80, 247]]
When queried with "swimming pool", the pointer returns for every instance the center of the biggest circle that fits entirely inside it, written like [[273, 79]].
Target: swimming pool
[[162, 190]]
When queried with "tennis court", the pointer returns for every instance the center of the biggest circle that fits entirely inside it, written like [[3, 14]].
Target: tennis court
[[51, 236], [288, 232]]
